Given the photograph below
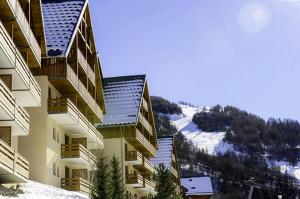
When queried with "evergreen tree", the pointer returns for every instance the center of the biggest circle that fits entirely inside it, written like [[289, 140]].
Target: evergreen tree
[[165, 187], [100, 179], [116, 186]]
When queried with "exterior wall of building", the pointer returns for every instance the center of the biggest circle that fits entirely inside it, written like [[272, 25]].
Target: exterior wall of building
[[43, 145], [33, 146]]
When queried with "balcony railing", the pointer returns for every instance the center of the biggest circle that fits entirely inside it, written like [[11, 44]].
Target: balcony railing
[[85, 65], [65, 72], [13, 114], [15, 164], [148, 165], [24, 79], [76, 184], [78, 151], [149, 185], [64, 105], [134, 179], [145, 123], [133, 156], [145, 104], [25, 27], [145, 142], [174, 172]]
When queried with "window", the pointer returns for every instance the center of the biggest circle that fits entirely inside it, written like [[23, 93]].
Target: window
[[54, 168], [57, 137], [57, 172], [54, 133]]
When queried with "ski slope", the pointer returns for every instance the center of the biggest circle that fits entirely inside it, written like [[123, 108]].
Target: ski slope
[[211, 142]]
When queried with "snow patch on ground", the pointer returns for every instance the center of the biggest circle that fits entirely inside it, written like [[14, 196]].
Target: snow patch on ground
[[35, 190], [287, 167], [212, 142]]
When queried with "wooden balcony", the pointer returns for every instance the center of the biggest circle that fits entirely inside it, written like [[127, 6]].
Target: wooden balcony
[[137, 139], [134, 180], [13, 167], [24, 86], [145, 123], [76, 154], [11, 113], [146, 166], [65, 80], [145, 105], [173, 158], [148, 186], [86, 66], [13, 13], [174, 172], [65, 113], [133, 158], [76, 184]]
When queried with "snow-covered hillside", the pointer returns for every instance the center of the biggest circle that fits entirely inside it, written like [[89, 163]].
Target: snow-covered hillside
[[34, 190], [212, 142]]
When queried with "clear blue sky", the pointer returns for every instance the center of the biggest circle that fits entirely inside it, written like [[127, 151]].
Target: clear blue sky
[[230, 52]]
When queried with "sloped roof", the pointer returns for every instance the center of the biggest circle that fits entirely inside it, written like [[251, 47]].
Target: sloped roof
[[122, 97], [164, 152], [197, 186], [60, 20]]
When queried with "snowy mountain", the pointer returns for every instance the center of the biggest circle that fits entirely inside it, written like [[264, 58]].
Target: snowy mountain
[[34, 190], [212, 142]]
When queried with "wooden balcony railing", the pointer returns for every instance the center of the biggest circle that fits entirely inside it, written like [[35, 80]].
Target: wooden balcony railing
[[149, 185], [65, 71], [13, 110], [76, 184], [133, 156], [85, 65], [148, 165], [78, 151], [174, 172], [140, 137], [13, 161], [134, 179], [64, 105], [18, 63], [25, 27], [145, 104], [145, 123]]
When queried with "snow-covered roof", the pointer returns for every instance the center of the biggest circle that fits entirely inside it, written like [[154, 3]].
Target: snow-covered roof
[[164, 152], [122, 96], [60, 19], [197, 186]]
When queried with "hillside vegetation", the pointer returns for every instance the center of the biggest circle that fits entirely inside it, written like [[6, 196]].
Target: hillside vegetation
[[275, 138], [234, 173]]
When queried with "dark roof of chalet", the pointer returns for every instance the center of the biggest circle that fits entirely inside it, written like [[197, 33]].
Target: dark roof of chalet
[[197, 186], [60, 20], [164, 152], [122, 97]]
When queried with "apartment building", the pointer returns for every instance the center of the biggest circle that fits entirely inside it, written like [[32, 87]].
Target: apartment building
[[62, 132], [166, 155], [22, 44], [129, 132]]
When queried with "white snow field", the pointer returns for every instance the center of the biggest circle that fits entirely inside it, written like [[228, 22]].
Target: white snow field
[[35, 190], [212, 142]]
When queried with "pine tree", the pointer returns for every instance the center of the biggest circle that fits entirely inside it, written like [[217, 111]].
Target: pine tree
[[165, 187], [100, 179], [116, 186]]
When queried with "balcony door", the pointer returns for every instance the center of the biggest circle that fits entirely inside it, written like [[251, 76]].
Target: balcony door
[[67, 139]]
